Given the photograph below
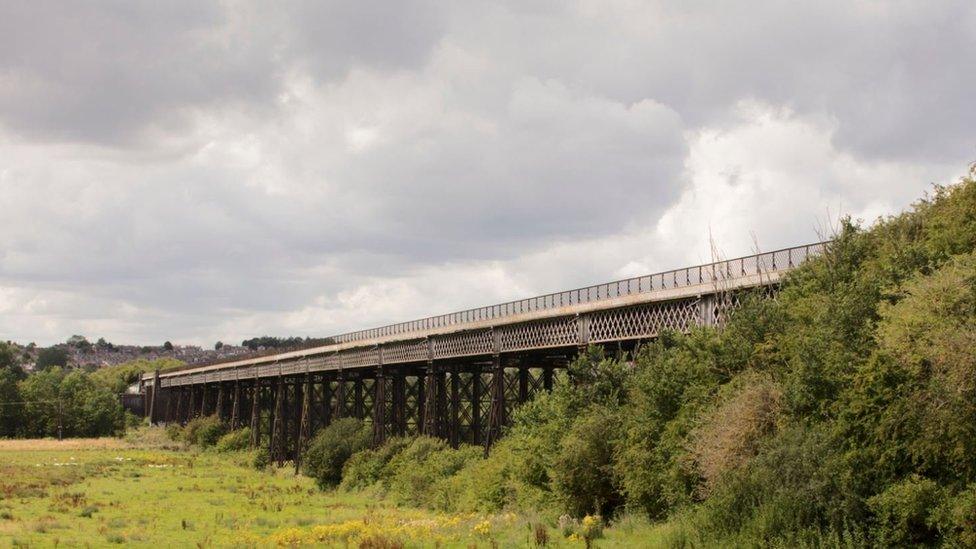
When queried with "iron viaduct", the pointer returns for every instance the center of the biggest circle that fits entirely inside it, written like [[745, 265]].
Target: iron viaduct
[[457, 376]]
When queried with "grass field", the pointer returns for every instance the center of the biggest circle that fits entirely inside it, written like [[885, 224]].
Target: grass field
[[146, 491]]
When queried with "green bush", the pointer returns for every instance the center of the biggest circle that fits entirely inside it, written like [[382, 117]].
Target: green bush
[[205, 431], [331, 448], [368, 467], [799, 482], [175, 432], [485, 485], [583, 475], [132, 421], [261, 459], [235, 441], [955, 518], [903, 512], [416, 470]]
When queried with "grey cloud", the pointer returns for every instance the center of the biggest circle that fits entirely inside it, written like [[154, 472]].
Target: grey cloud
[[896, 75], [334, 36], [121, 73], [180, 169], [136, 73]]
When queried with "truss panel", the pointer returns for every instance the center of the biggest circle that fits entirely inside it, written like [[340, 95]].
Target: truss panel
[[556, 332], [459, 344], [360, 358], [405, 351], [644, 320]]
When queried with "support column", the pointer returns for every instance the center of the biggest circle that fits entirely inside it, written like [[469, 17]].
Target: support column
[[547, 377], [304, 428], [340, 410], [379, 408], [430, 405], [326, 403], [454, 426], [205, 402], [476, 388], [357, 402], [440, 404], [179, 405], [297, 404], [191, 411], [496, 415], [170, 405], [154, 398], [220, 401], [235, 410], [523, 383], [256, 413], [420, 403], [277, 424], [399, 404]]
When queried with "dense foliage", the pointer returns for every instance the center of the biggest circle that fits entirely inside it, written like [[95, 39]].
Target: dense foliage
[[842, 412], [330, 449], [69, 402]]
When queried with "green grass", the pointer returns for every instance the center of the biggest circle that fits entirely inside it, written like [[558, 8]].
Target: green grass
[[145, 492]]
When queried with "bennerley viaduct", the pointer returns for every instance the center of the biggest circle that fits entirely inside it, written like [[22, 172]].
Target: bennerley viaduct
[[456, 376]]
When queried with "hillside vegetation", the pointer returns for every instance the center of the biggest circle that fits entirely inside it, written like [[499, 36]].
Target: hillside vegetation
[[841, 413]]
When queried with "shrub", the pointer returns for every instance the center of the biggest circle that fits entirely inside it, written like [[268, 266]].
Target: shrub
[[367, 467], [675, 377], [235, 441], [175, 432], [331, 448], [414, 473], [261, 459], [132, 421], [902, 512], [731, 432], [487, 485], [582, 475], [956, 518], [205, 431], [799, 482]]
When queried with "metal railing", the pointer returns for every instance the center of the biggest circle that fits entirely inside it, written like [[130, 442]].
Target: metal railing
[[710, 273]]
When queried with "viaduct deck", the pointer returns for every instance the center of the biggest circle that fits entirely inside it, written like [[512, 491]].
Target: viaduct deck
[[456, 375]]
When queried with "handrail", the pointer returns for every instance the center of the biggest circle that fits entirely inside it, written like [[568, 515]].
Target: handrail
[[678, 278]]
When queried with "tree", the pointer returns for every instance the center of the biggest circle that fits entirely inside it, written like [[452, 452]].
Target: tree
[[52, 356], [167, 346], [219, 345], [11, 411], [79, 342], [72, 400], [41, 391], [9, 362], [103, 345]]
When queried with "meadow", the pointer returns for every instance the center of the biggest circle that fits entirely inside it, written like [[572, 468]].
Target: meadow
[[144, 490]]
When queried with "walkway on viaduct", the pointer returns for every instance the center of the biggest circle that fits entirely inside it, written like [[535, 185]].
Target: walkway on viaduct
[[456, 376]]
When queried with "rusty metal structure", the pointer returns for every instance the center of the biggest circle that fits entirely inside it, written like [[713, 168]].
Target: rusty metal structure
[[456, 376]]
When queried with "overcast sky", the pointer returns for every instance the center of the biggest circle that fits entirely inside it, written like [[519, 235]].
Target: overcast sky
[[196, 170]]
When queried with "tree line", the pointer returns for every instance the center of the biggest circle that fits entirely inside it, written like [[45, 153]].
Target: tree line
[[58, 401]]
